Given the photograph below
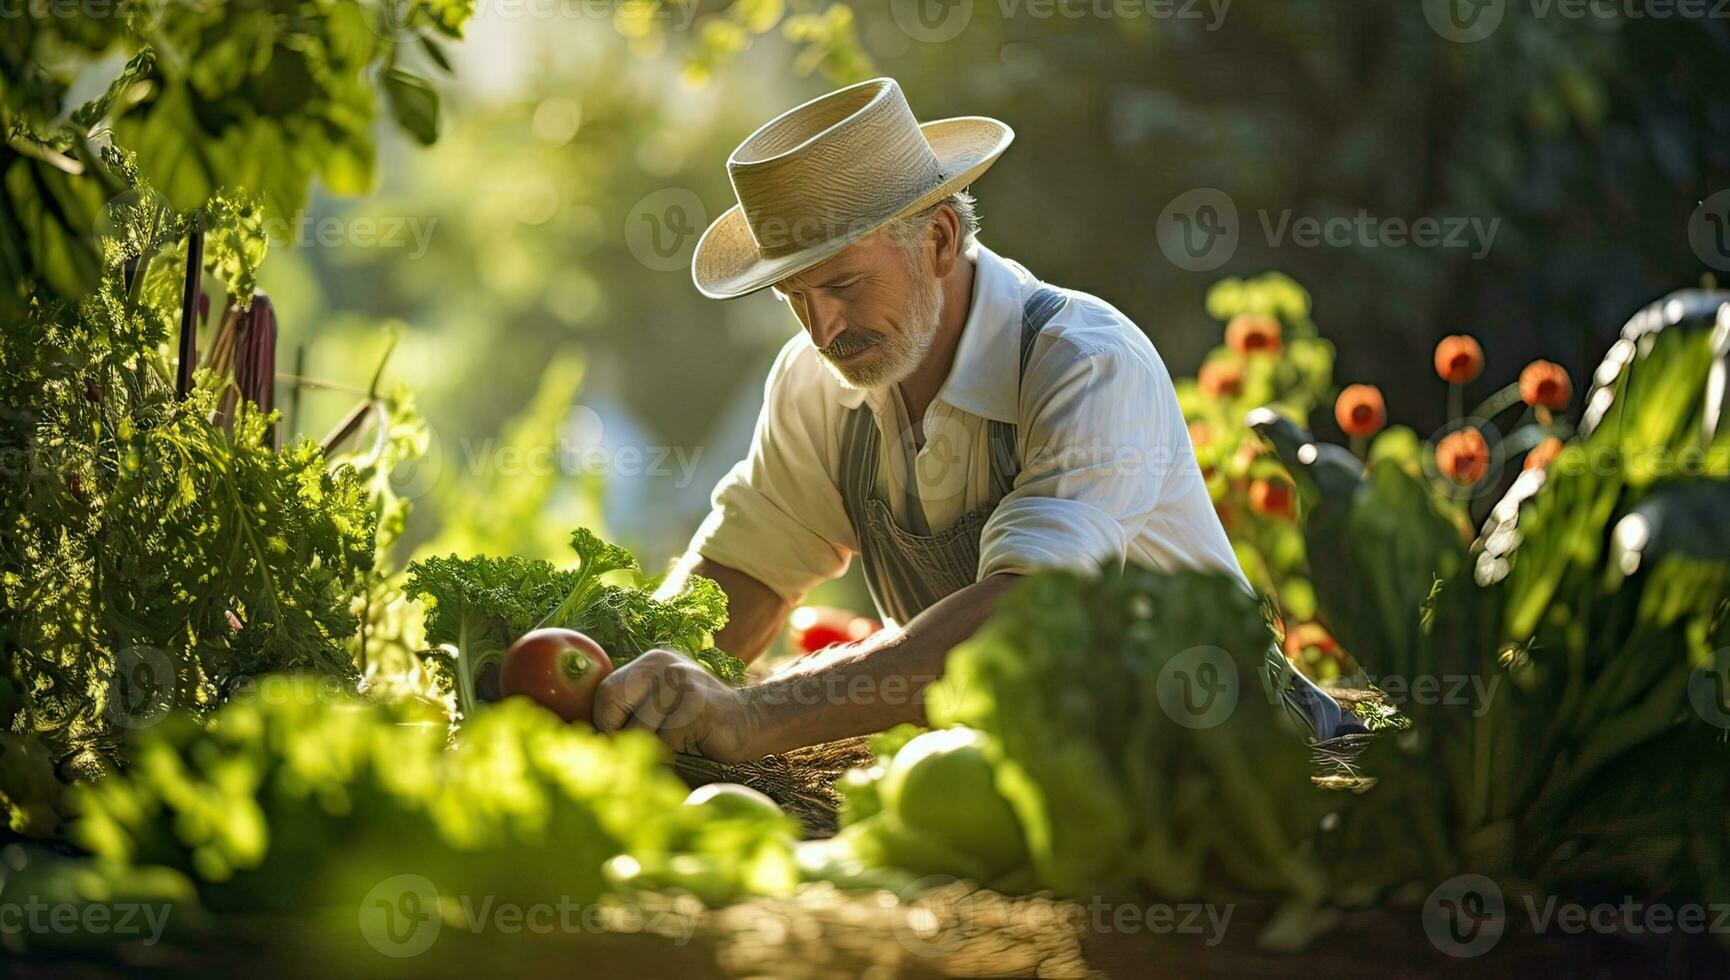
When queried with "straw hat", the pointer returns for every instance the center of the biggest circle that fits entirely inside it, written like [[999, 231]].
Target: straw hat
[[820, 177]]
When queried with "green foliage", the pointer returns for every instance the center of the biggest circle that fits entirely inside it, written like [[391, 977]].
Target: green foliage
[[154, 550], [261, 95], [1588, 619], [29, 793], [478, 606], [1084, 685], [140, 532], [729, 842], [1295, 380], [297, 798]]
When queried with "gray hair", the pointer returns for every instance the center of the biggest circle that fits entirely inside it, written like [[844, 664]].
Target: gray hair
[[908, 233]]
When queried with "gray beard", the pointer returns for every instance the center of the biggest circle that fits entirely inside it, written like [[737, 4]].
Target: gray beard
[[900, 354]]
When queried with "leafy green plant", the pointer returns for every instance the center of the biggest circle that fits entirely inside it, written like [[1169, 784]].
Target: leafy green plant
[[1081, 692], [141, 533], [478, 606], [156, 547], [297, 801], [1588, 612]]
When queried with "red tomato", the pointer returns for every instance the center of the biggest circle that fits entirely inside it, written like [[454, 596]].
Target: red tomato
[[816, 627], [559, 669]]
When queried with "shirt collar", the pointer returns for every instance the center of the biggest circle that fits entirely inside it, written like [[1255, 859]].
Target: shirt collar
[[984, 379]]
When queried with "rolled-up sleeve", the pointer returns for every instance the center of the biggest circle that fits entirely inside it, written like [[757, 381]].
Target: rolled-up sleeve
[[777, 515], [1096, 443]]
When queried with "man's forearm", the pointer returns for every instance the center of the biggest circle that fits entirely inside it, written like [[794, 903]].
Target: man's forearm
[[754, 611], [870, 687]]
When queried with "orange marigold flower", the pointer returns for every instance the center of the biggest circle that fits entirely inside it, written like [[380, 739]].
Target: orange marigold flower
[[1271, 498], [1543, 454], [1221, 379], [1247, 452], [1360, 410], [1200, 433], [1306, 635], [1463, 456], [1546, 384], [1459, 359], [1253, 333]]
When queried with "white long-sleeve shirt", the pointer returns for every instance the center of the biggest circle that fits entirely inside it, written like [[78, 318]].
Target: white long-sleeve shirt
[[1107, 471]]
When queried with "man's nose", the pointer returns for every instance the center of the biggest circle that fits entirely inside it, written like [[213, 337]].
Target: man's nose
[[823, 319]]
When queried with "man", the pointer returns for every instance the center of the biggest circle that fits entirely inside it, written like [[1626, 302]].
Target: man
[[943, 415]]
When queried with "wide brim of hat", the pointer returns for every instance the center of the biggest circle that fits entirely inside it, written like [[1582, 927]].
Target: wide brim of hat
[[727, 265]]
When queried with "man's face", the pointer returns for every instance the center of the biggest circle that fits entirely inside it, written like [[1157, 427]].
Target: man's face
[[871, 311]]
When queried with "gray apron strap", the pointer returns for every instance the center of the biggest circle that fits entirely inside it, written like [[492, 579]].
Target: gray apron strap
[[907, 572]]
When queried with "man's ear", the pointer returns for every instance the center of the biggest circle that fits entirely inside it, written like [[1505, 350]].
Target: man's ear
[[946, 227]]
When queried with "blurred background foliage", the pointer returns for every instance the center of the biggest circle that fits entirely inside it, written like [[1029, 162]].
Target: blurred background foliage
[[520, 258]]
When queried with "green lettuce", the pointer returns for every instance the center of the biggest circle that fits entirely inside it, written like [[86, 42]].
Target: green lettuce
[[1082, 682], [478, 606]]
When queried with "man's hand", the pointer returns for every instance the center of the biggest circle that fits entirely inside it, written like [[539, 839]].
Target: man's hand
[[674, 697]]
